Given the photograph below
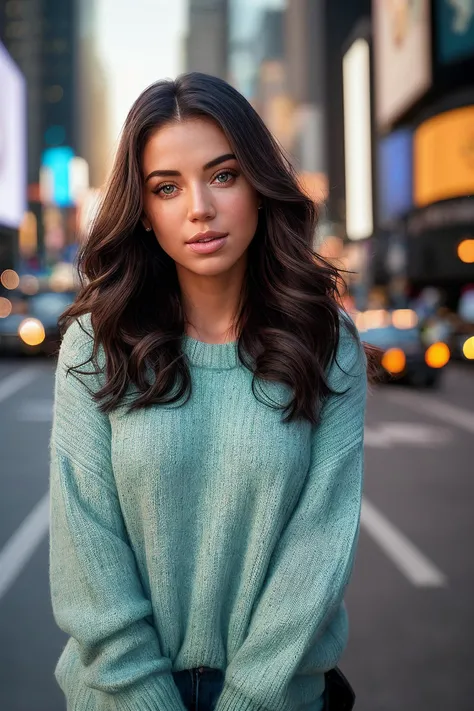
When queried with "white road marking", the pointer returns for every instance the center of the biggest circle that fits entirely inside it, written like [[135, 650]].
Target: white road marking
[[388, 434], [12, 383], [420, 571], [434, 407], [417, 568], [35, 411], [21, 546]]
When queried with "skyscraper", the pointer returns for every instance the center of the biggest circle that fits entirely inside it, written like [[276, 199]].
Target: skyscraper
[[53, 42], [206, 48]]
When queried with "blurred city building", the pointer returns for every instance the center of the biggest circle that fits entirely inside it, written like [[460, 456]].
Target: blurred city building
[[20, 32], [423, 56], [53, 45], [13, 157], [269, 60], [206, 44], [271, 97], [94, 120], [306, 78], [374, 101]]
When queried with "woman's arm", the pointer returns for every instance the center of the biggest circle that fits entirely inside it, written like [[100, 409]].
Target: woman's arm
[[96, 592], [312, 562]]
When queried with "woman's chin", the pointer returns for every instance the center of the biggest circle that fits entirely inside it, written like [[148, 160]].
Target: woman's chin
[[212, 268], [211, 265]]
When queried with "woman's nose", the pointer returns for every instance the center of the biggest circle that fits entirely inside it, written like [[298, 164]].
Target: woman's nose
[[201, 206]]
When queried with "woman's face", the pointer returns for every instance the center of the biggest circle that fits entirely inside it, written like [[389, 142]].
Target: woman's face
[[194, 189]]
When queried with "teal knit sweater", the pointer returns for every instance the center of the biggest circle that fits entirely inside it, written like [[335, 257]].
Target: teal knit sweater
[[210, 533]]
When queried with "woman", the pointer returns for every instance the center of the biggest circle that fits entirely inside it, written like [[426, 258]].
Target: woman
[[207, 447]]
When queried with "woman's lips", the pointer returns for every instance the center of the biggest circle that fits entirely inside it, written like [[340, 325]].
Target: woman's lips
[[207, 247]]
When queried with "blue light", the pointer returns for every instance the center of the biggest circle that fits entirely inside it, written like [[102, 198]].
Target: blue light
[[395, 158], [57, 161]]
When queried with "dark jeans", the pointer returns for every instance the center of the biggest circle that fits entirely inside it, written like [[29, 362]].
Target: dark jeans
[[199, 688]]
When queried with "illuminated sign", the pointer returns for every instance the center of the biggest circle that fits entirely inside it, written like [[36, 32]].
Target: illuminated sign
[[395, 175], [402, 56], [357, 141], [55, 176], [444, 157], [13, 142], [455, 22]]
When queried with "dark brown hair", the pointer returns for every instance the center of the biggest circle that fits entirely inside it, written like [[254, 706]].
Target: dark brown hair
[[288, 323]]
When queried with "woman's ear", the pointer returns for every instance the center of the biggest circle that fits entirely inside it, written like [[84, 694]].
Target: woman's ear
[[146, 224]]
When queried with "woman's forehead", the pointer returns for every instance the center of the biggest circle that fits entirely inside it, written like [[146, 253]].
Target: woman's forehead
[[196, 140]]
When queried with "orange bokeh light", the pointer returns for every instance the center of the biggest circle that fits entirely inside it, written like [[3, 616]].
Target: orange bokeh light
[[10, 279], [31, 332], [394, 361], [5, 307], [466, 251], [437, 355]]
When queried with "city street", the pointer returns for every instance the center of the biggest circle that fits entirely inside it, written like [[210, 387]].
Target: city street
[[409, 601]]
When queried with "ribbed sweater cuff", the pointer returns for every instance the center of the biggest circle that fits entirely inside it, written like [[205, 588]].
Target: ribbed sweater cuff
[[232, 700], [157, 692]]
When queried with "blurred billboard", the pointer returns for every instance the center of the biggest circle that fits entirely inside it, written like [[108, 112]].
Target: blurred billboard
[[13, 142], [402, 56], [395, 175], [444, 157], [455, 23]]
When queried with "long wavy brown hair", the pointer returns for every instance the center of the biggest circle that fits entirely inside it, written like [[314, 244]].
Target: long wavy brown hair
[[288, 322]]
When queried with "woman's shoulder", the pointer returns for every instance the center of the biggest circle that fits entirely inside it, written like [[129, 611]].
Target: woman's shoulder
[[77, 345], [79, 336]]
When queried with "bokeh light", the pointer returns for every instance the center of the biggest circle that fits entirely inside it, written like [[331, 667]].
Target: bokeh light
[[5, 307], [404, 319], [437, 355], [468, 348], [31, 332], [394, 361], [29, 284], [466, 251], [10, 279]]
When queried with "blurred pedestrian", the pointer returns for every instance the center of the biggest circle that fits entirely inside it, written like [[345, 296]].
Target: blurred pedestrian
[[207, 446]]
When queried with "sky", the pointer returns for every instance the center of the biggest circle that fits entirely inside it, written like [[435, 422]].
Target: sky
[[139, 42]]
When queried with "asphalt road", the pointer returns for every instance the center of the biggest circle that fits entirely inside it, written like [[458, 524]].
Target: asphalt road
[[410, 599]]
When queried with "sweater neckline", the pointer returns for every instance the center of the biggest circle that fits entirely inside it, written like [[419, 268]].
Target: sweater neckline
[[221, 356]]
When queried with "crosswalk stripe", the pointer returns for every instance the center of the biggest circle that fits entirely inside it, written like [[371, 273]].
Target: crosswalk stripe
[[21, 546], [435, 407], [416, 567]]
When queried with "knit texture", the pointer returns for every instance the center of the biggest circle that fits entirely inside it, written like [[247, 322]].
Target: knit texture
[[204, 534]]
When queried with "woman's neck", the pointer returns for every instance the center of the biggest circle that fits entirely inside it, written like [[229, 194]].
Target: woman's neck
[[211, 304]]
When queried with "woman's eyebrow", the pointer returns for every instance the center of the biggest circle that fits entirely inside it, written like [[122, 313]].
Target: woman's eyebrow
[[175, 173], [221, 159]]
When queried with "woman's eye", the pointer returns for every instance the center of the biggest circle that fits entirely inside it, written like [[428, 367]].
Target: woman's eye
[[165, 190], [224, 177]]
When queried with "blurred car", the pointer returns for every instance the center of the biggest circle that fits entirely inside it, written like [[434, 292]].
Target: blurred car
[[410, 354], [462, 341], [31, 325]]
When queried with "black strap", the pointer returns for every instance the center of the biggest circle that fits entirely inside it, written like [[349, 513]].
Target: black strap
[[338, 694]]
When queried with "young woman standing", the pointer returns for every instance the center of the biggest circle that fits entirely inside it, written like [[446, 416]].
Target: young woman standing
[[207, 447]]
